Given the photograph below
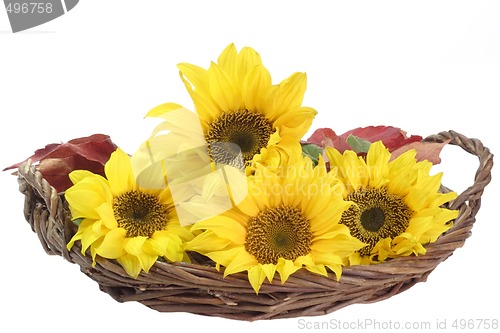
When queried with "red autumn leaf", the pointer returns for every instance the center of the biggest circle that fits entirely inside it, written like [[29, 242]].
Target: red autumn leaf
[[425, 150], [322, 137], [56, 161], [392, 137], [56, 170], [326, 137]]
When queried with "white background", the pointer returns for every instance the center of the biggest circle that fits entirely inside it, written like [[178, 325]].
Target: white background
[[423, 66]]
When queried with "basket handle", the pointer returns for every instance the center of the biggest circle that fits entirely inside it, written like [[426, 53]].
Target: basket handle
[[469, 201]]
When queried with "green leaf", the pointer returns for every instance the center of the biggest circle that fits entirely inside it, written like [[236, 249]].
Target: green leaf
[[312, 151], [78, 221], [357, 144]]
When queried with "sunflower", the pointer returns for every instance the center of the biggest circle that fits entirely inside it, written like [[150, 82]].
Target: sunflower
[[288, 220], [123, 221], [239, 108], [398, 206]]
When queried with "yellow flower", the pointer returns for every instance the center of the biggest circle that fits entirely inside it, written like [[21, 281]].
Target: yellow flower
[[397, 202], [123, 221], [239, 108], [289, 220]]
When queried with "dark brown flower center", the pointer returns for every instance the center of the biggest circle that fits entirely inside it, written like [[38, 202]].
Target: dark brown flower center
[[140, 213], [238, 132], [377, 214], [280, 232]]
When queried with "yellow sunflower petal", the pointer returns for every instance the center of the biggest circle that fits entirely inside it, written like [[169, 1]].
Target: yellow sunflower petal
[[286, 268], [257, 92], [86, 195], [223, 227], [354, 171], [224, 90], [112, 245], [405, 245], [78, 175], [248, 59], [147, 261], [174, 251], [242, 261], [119, 173], [84, 225], [295, 124], [195, 75], [89, 237], [269, 270], [130, 264], [207, 242], [377, 160], [256, 277], [336, 269], [442, 198], [107, 215], [228, 60], [162, 109], [133, 245], [225, 257], [291, 93], [206, 108]]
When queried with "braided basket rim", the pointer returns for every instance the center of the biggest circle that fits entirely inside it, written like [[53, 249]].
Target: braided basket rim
[[201, 289]]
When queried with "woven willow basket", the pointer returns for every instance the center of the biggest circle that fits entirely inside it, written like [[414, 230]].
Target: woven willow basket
[[201, 289]]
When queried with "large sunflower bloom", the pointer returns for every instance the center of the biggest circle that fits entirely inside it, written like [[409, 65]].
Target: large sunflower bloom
[[289, 220], [398, 206], [123, 221], [238, 105]]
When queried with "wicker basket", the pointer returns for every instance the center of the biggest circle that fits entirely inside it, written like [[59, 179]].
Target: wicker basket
[[201, 289]]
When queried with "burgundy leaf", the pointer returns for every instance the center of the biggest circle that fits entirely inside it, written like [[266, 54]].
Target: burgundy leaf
[[326, 137], [392, 137], [323, 137], [56, 161]]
